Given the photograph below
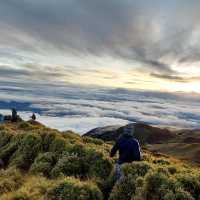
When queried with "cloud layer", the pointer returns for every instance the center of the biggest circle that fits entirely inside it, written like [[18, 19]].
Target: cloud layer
[[82, 109]]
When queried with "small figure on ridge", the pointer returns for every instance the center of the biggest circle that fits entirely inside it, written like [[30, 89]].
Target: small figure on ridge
[[33, 117], [14, 115]]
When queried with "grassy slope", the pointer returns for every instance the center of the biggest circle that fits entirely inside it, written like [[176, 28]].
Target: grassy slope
[[183, 151], [185, 146], [39, 163]]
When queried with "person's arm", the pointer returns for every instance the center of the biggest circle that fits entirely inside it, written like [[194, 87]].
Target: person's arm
[[114, 150]]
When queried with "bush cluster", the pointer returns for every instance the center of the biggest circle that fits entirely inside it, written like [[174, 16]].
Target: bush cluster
[[73, 189], [147, 181], [40, 163]]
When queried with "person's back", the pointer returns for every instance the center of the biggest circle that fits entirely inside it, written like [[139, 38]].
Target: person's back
[[129, 150], [33, 117], [14, 115]]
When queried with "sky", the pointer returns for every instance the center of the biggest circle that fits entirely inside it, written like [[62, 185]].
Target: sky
[[80, 64], [136, 44]]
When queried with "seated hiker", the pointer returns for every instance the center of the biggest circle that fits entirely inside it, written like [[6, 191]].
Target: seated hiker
[[129, 150], [14, 115], [33, 117]]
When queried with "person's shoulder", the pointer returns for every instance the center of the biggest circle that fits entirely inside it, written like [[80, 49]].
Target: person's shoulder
[[135, 140], [120, 139]]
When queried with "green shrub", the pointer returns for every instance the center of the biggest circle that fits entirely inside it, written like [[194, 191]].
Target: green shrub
[[29, 147], [92, 140], [25, 126], [5, 137], [178, 195], [54, 142], [161, 162], [58, 145], [100, 168], [72, 162], [73, 189], [10, 180], [155, 186], [139, 189], [147, 157], [190, 183], [139, 182], [9, 149], [70, 165], [99, 165], [163, 170], [136, 169], [82, 162], [33, 188], [72, 137], [47, 140], [132, 174], [123, 189], [78, 149], [106, 185], [44, 163]]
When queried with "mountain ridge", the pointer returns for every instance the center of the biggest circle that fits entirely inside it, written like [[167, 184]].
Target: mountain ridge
[[157, 139]]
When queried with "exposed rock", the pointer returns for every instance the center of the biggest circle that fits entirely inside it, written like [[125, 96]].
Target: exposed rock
[[8, 118]]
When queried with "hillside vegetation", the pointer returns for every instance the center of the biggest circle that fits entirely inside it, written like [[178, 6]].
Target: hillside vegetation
[[38, 163]]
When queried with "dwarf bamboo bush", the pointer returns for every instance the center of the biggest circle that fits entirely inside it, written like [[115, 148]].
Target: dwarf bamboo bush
[[126, 186], [29, 147], [179, 194], [73, 189], [43, 164], [9, 149], [10, 180], [5, 137], [190, 183]]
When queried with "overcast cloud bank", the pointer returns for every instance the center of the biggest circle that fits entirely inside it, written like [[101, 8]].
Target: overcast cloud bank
[[156, 41]]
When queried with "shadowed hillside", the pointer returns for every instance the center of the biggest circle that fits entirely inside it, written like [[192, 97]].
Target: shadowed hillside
[[38, 163], [184, 144]]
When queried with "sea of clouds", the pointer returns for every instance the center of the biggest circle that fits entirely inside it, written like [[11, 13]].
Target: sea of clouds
[[84, 108]]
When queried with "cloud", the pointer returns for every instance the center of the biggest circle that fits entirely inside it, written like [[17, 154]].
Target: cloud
[[169, 77], [83, 108], [176, 78], [31, 72], [152, 33]]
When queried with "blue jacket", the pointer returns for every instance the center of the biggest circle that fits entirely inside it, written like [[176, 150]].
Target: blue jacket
[[129, 149]]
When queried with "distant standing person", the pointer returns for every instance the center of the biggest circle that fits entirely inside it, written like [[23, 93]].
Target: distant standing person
[[129, 150], [33, 117], [1, 118], [14, 115]]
